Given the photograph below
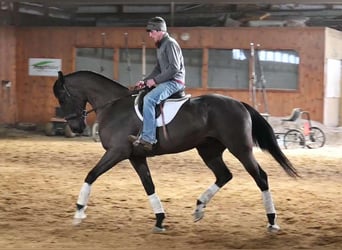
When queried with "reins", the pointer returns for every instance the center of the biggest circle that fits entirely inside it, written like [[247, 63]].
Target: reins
[[85, 112], [131, 92]]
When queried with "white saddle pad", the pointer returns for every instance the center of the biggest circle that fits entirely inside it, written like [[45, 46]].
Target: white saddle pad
[[171, 107]]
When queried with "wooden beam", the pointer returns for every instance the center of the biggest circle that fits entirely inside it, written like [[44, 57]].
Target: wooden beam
[[145, 2]]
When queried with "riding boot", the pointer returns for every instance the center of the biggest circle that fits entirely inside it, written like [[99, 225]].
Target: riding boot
[[138, 141]]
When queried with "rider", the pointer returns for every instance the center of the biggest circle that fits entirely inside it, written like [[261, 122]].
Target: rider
[[167, 78]]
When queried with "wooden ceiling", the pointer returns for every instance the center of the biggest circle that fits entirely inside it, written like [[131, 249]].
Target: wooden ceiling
[[177, 13]]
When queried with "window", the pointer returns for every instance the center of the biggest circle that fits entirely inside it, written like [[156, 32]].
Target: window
[[193, 67], [99, 60], [279, 68], [230, 68], [227, 68], [130, 66]]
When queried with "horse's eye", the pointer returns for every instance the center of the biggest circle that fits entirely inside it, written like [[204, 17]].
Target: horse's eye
[[62, 99]]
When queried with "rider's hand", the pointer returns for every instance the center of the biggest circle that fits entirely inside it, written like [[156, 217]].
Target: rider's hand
[[150, 83], [140, 84]]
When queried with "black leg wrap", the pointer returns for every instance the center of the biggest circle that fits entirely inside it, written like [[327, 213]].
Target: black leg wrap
[[199, 202], [160, 218], [79, 207], [271, 218]]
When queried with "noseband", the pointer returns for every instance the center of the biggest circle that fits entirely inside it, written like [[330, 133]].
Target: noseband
[[73, 116]]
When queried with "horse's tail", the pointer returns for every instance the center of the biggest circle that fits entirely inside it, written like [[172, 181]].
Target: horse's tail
[[264, 137]]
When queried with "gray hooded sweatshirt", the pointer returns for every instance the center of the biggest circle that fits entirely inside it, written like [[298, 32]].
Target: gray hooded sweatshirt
[[170, 62]]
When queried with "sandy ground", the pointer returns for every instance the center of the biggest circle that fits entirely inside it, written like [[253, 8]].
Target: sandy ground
[[41, 177]]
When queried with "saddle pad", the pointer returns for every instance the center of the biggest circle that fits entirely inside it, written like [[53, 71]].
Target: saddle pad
[[171, 107]]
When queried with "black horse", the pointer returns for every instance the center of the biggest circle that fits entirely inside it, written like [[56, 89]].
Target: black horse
[[210, 123]]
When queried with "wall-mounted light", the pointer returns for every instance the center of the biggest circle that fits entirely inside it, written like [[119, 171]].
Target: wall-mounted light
[[185, 36]]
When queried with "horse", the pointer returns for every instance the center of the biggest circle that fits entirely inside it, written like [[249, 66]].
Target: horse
[[209, 123]]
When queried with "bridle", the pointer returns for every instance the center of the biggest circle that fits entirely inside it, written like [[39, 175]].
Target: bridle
[[73, 116]]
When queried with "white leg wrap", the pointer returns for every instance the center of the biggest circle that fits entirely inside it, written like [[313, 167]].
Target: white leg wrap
[[209, 193], [268, 202], [156, 204], [204, 199], [84, 194]]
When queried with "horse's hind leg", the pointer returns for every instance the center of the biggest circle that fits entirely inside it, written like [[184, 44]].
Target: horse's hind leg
[[247, 158], [211, 153], [268, 204]]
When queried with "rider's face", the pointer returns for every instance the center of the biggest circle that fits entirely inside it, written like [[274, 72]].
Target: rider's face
[[156, 35]]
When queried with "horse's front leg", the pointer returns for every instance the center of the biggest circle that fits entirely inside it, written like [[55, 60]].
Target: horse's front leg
[[140, 166], [108, 160], [81, 204]]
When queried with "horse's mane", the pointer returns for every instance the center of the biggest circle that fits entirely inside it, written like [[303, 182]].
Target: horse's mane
[[91, 74]]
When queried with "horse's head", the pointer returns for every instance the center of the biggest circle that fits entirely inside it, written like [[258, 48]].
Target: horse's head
[[72, 104]]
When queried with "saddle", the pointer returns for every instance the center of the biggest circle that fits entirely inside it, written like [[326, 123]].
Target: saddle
[[169, 106], [140, 100]]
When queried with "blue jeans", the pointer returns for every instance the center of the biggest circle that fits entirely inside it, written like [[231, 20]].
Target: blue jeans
[[158, 94]]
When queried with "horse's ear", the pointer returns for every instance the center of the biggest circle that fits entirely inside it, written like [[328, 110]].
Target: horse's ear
[[61, 77], [58, 86]]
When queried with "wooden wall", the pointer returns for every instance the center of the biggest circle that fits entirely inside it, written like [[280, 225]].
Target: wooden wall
[[36, 101], [8, 111]]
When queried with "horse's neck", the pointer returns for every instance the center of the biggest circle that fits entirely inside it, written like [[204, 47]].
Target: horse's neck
[[101, 96]]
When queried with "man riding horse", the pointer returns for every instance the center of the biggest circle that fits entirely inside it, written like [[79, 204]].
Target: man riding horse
[[167, 78]]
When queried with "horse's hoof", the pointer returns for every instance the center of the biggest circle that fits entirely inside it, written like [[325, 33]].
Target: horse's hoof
[[158, 230], [273, 228], [198, 215], [76, 221], [79, 216]]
